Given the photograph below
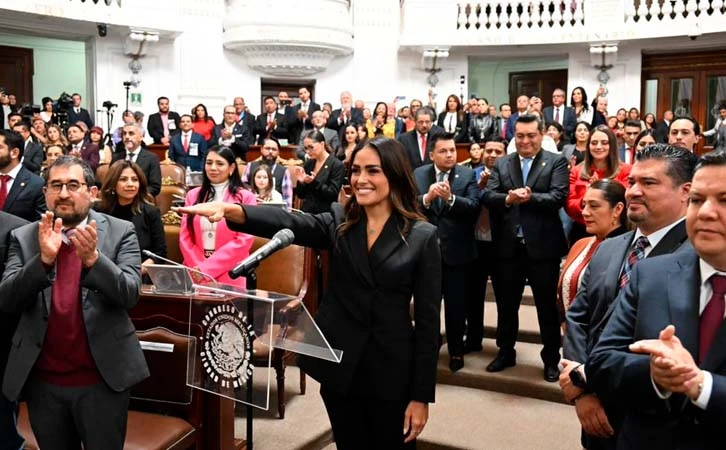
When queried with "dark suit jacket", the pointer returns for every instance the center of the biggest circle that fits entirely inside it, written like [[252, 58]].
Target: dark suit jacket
[[661, 132], [356, 116], [89, 153], [260, 128], [549, 181], [318, 195], [409, 141], [568, 122], [148, 226], [455, 223], [248, 122], [242, 138], [33, 157], [661, 291], [26, 198], [83, 116], [592, 307], [462, 126], [149, 164], [177, 153], [109, 289], [297, 126], [365, 309], [156, 127], [8, 322]]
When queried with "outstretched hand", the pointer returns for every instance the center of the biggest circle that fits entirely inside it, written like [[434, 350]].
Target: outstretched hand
[[213, 211]]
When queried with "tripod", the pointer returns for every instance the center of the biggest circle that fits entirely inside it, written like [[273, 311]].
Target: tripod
[[108, 139]]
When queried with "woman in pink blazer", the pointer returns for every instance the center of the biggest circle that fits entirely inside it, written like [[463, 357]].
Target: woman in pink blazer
[[213, 248]]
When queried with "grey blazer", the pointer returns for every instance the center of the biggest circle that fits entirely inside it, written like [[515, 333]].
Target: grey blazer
[[108, 290]]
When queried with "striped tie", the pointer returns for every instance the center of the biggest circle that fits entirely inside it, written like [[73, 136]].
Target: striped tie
[[636, 254]]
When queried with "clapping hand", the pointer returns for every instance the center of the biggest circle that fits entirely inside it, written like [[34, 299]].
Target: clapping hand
[[50, 237], [84, 240]]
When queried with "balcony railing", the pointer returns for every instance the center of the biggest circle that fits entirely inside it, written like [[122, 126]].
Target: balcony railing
[[523, 15], [668, 11]]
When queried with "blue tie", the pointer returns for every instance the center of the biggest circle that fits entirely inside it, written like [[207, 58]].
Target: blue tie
[[526, 162]]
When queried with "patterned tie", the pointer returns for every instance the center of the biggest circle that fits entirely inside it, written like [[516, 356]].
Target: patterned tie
[[526, 163], [130, 156], [712, 316], [557, 114], [636, 254], [438, 201], [3, 190]]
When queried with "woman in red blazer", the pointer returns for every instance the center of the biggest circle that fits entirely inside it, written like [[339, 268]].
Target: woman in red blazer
[[213, 248], [601, 161]]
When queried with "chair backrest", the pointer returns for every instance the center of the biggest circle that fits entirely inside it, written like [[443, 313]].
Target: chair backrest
[[284, 271], [171, 234], [101, 172], [172, 173], [167, 196]]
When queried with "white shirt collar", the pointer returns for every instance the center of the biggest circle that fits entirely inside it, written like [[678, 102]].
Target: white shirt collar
[[14, 172], [655, 237]]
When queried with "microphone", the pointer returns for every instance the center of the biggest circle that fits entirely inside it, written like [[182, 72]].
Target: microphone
[[155, 256], [280, 240]]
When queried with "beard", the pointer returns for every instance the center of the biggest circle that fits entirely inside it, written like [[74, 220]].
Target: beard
[[4, 161], [73, 218]]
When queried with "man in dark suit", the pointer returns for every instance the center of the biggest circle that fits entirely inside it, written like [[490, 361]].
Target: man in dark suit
[[626, 152], [10, 439], [346, 114], [188, 148], [416, 141], [302, 114], [21, 191], [525, 191], [657, 202], [661, 355], [33, 154], [449, 196], [245, 119], [131, 136], [78, 114], [270, 122], [661, 128], [522, 106], [72, 276], [78, 147], [163, 124], [562, 114], [232, 134]]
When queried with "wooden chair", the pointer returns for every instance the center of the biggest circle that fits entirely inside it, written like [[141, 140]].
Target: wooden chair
[[101, 172], [172, 225], [169, 194], [172, 173], [283, 272], [165, 413]]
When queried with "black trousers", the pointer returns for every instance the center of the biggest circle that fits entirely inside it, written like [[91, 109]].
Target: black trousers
[[361, 421], [64, 417], [542, 274], [480, 272], [455, 287]]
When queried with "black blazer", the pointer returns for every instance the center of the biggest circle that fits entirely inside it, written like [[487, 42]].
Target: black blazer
[[8, 321], [156, 127], [661, 132], [242, 138], [33, 157], [409, 141], [455, 223], [26, 198], [83, 116], [549, 181], [260, 128], [149, 164], [319, 194], [662, 291], [462, 126], [592, 307], [365, 309], [149, 229], [299, 125]]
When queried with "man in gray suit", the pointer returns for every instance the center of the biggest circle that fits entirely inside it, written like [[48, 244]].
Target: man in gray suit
[[331, 137], [72, 276], [719, 129]]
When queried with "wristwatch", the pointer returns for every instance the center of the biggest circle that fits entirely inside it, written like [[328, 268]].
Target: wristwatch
[[577, 378]]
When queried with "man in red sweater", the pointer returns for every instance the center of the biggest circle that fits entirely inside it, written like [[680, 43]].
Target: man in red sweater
[[72, 276]]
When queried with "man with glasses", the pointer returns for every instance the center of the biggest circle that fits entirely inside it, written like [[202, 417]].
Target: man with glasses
[[72, 276], [21, 191], [626, 152], [231, 133]]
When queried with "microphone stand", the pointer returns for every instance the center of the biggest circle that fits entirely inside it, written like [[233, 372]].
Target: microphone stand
[[251, 285]]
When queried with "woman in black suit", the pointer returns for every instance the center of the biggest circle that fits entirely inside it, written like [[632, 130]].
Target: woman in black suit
[[382, 252], [319, 183], [453, 119], [125, 195]]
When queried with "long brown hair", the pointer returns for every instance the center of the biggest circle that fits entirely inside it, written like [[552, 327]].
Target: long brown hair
[[613, 162], [109, 200], [403, 193]]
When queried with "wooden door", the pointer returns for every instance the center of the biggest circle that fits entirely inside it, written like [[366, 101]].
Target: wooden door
[[16, 72], [540, 83]]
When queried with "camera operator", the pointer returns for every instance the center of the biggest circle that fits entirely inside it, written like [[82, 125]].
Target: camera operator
[[76, 113]]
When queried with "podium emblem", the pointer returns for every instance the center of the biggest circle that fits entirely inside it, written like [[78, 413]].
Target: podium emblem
[[227, 347]]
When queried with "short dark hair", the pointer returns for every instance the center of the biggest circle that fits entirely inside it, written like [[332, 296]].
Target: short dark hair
[[161, 98], [503, 105], [25, 126], [497, 138], [13, 139], [557, 126], [14, 114], [268, 97], [69, 161], [423, 110], [613, 192], [186, 115], [717, 158], [721, 106], [436, 137], [696, 126], [632, 123], [681, 162], [76, 93], [529, 118]]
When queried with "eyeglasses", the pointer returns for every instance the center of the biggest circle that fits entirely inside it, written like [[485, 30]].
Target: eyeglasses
[[56, 186]]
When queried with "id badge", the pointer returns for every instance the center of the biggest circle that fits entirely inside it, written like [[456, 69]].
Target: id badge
[[172, 125], [193, 149]]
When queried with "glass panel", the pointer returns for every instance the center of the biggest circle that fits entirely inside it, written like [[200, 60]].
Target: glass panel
[[681, 96], [715, 96], [651, 97]]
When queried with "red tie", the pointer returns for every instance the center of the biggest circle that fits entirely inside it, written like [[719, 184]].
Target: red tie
[[504, 129], [557, 114], [3, 190], [711, 317], [186, 143], [423, 147]]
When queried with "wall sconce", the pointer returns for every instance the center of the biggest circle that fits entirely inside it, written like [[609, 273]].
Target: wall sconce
[[603, 58], [431, 61], [134, 47]]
